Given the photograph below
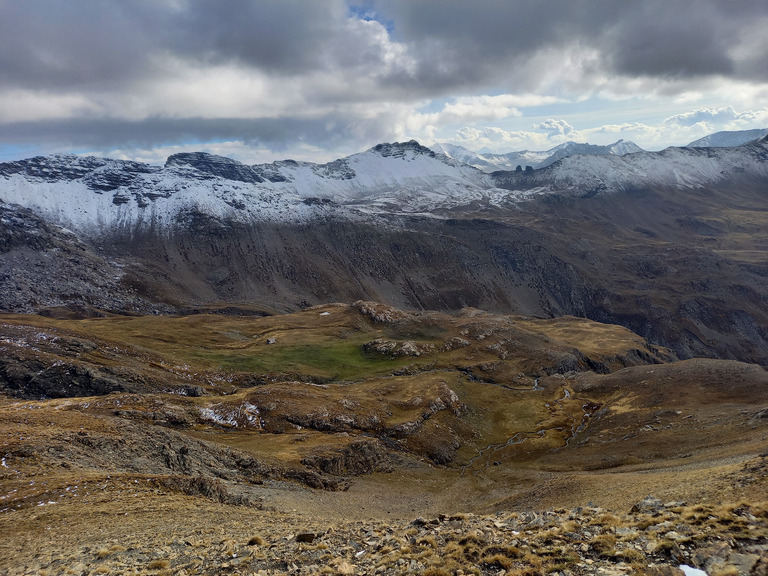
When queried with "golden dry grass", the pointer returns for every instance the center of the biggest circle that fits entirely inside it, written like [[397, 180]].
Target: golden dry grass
[[462, 428]]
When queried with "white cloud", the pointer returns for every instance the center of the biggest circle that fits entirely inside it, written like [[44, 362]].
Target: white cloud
[[37, 105], [557, 129], [545, 135], [708, 115], [676, 130], [467, 113], [688, 126]]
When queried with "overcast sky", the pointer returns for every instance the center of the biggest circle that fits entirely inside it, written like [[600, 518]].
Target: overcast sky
[[268, 79]]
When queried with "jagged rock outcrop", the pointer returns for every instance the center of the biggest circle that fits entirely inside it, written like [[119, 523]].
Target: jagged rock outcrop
[[362, 457], [399, 149], [211, 164]]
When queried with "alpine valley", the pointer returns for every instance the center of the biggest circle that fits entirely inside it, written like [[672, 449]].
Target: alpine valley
[[408, 360]]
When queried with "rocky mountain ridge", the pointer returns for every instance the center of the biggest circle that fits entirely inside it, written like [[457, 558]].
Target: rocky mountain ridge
[[628, 239], [98, 195], [672, 167]]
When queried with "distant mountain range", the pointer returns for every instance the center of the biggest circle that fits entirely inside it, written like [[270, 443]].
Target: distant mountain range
[[488, 162], [97, 195], [670, 244]]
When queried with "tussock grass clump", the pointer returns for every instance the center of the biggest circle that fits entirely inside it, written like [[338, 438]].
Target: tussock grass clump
[[428, 540], [453, 550], [695, 519], [553, 559], [666, 547], [607, 520], [725, 571], [648, 521], [630, 556], [497, 561], [500, 557], [548, 537], [509, 551], [530, 565], [568, 526], [471, 552], [605, 545], [759, 511], [471, 538]]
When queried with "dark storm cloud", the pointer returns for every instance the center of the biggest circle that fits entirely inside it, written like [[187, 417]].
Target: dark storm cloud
[[282, 36], [102, 134], [52, 44], [650, 38], [49, 44], [124, 58], [57, 45], [64, 44], [671, 39]]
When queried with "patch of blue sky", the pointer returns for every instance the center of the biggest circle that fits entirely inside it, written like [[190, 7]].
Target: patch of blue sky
[[362, 12], [11, 152], [433, 106], [594, 112]]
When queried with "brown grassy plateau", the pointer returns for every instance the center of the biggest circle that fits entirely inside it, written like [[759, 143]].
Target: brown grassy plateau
[[158, 444]]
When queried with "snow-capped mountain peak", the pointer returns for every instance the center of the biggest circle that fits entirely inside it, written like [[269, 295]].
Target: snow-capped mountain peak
[[213, 165], [405, 150], [622, 147], [727, 139]]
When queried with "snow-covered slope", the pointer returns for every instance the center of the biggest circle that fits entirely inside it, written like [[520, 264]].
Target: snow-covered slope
[[728, 139], [87, 193], [618, 148], [672, 167], [95, 194], [492, 162]]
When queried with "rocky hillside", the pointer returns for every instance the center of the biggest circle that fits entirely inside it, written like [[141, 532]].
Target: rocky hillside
[[653, 539], [366, 439]]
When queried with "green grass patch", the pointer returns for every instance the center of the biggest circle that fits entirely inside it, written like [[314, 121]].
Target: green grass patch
[[329, 360]]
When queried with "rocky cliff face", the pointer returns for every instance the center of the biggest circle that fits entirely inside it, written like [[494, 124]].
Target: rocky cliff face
[[44, 266]]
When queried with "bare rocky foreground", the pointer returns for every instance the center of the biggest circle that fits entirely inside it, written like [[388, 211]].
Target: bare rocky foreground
[[364, 439], [150, 531]]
